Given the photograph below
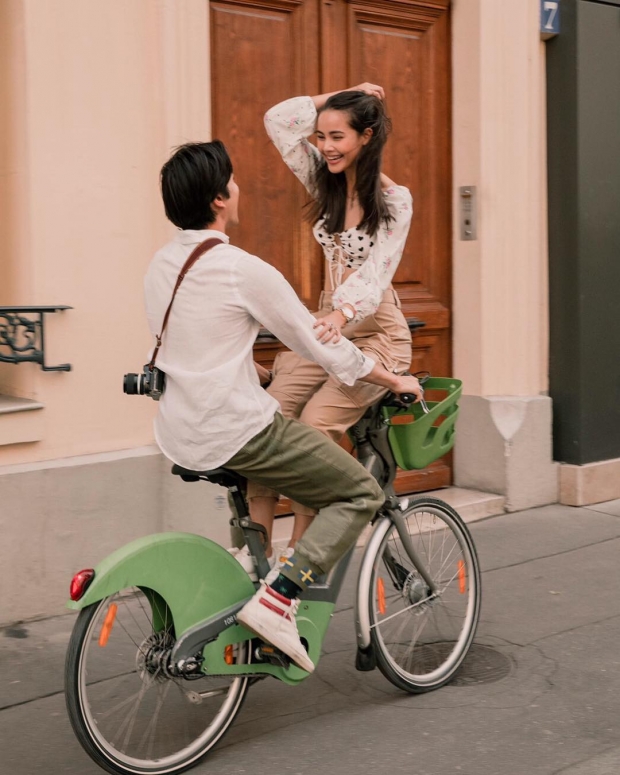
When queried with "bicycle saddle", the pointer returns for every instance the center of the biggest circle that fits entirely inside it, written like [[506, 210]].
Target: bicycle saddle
[[221, 476]]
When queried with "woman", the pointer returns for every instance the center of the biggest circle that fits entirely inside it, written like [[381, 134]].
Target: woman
[[361, 220]]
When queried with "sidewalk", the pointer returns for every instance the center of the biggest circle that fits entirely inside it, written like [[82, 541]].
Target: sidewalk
[[538, 695]]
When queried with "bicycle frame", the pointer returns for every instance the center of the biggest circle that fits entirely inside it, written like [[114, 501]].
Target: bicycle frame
[[199, 588], [374, 453], [212, 636]]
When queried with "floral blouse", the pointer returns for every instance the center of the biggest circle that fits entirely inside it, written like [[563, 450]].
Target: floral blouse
[[374, 257]]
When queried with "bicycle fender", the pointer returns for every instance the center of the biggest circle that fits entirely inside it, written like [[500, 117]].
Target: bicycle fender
[[195, 577], [364, 592]]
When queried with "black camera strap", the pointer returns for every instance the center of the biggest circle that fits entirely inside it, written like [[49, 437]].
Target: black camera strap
[[194, 256]]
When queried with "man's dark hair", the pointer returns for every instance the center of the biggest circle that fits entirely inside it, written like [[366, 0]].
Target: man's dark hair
[[191, 179]]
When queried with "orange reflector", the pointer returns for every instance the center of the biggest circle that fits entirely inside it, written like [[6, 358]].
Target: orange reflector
[[462, 584], [228, 655], [381, 595], [108, 623]]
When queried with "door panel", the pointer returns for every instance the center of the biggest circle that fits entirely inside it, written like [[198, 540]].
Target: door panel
[[405, 47], [261, 53], [409, 53], [285, 48]]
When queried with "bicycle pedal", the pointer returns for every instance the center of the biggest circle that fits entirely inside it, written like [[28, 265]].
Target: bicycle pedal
[[268, 653]]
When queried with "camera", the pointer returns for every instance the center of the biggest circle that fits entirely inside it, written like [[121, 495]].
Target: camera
[[149, 383]]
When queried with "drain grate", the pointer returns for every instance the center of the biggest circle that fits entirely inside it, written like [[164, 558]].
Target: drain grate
[[483, 665]]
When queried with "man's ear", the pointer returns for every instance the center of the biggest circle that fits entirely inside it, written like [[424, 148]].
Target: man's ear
[[219, 202]]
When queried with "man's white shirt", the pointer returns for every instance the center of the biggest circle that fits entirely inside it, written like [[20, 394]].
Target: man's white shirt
[[213, 403]]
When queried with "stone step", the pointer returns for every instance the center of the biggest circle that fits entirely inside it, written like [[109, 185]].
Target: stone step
[[470, 504]]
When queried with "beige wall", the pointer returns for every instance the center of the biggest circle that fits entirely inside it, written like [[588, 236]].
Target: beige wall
[[98, 94], [504, 441], [14, 265], [500, 280], [66, 515]]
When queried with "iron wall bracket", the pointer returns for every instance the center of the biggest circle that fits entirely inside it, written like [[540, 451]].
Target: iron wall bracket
[[22, 334]]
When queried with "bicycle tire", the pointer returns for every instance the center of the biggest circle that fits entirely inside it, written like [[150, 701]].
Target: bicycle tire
[[420, 641], [125, 709]]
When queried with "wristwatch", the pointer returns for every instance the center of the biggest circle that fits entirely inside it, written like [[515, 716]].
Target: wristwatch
[[347, 312]]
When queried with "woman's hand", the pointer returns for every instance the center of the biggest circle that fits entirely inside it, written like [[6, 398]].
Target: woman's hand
[[264, 375], [369, 88], [328, 327]]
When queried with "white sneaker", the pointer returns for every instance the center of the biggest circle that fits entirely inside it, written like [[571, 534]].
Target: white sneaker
[[272, 617], [284, 555], [247, 562]]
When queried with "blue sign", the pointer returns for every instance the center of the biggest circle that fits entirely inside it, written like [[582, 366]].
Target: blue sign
[[549, 18]]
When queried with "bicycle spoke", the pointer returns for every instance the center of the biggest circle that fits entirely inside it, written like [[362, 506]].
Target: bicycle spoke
[[131, 638], [401, 612], [149, 732], [133, 616], [146, 615], [130, 720], [115, 708]]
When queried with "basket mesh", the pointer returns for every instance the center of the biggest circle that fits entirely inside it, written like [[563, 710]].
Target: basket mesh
[[418, 439]]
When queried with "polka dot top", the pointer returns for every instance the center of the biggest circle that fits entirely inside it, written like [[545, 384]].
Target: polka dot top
[[373, 257]]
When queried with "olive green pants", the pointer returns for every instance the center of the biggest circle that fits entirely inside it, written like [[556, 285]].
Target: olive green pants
[[307, 467]]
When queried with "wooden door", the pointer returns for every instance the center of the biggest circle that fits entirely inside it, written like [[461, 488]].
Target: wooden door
[[264, 51]]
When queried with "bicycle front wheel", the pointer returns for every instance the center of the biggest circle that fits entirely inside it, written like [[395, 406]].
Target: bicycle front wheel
[[128, 712], [421, 638]]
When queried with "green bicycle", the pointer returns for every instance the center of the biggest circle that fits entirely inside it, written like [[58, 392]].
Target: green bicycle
[[158, 667]]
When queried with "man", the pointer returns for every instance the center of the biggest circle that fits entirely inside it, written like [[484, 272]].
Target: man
[[215, 413]]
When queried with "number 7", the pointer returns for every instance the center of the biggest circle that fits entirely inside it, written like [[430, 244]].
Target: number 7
[[552, 7]]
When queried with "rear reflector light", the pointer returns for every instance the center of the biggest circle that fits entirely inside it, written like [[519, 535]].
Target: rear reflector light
[[80, 583]]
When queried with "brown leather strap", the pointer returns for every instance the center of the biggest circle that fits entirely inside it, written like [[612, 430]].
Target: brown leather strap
[[193, 257]]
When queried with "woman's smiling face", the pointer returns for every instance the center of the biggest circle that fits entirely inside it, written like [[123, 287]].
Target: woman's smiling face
[[337, 141]]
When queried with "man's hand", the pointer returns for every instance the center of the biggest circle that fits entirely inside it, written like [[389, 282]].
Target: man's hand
[[396, 383], [328, 327], [408, 384]]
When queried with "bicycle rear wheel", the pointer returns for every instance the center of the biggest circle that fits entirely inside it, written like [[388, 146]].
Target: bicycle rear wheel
[[420, 638], [128, 712]]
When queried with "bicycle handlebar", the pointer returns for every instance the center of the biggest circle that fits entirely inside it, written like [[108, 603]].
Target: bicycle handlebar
[[403, 401]]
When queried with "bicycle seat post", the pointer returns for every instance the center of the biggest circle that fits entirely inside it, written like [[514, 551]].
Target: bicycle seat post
[[255, 535]]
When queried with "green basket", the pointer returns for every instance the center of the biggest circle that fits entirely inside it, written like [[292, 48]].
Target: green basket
[[426, 437]]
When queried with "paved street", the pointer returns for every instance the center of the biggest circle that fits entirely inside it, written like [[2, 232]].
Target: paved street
[[540, 693]]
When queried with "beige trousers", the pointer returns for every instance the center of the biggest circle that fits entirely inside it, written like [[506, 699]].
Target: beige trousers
[[306, 392]]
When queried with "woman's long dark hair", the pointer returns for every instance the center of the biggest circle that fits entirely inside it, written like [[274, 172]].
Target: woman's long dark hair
[[364, 112]]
